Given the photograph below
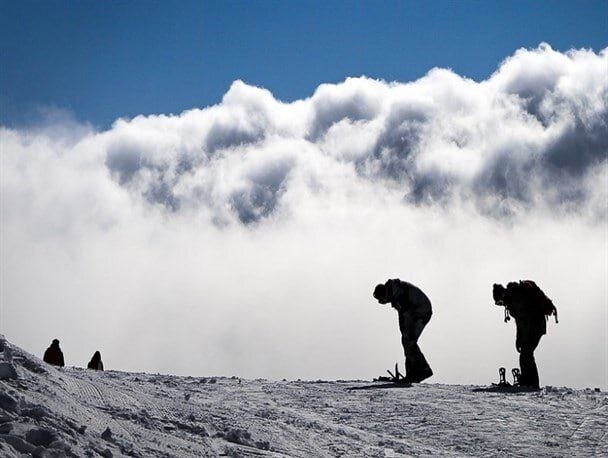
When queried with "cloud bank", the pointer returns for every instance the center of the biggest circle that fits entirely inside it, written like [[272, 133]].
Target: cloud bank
[[266, 222], [533, 134]]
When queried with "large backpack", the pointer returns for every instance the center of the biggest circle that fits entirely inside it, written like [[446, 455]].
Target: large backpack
[[538, 298]]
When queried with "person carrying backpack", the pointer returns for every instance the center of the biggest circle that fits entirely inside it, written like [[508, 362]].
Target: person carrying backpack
[[530, 307], [414, 310]]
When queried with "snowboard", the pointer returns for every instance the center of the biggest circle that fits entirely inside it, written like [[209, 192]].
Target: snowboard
[[396, 380], [505, 387], [381, 386]]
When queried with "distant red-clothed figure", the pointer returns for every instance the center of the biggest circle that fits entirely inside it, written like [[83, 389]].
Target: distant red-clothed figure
[[96, 363], [53, 355]]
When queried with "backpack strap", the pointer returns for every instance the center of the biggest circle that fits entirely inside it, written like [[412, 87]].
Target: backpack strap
[[555, 313]]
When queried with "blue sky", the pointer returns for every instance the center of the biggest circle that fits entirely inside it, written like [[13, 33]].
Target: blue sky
[[102, 60]]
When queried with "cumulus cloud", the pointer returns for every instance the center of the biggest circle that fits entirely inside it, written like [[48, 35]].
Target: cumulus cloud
[[291, 211], [534, 133]]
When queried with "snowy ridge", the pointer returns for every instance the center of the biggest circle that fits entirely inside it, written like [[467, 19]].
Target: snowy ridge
[[77, 412]]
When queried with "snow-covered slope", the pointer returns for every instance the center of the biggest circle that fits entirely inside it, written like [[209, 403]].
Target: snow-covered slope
[[77, 412]]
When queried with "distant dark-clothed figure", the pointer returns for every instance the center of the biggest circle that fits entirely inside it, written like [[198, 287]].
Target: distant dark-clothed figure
[[414, 310], [53, 355], [530, 307], [96, 363]]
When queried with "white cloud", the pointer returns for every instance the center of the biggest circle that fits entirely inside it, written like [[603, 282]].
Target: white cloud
[[249, 234]]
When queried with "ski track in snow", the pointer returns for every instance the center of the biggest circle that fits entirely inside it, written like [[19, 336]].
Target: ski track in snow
[[43, 413]]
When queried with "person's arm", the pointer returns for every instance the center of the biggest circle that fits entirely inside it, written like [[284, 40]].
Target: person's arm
[[100, 365], [401, 295], [517, 337], [393, 293], [61, 362]]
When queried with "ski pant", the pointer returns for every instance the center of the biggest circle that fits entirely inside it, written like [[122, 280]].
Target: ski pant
[[528, 338], [411, 328]]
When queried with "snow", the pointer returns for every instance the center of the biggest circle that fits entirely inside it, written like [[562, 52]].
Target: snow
[[48, 411]]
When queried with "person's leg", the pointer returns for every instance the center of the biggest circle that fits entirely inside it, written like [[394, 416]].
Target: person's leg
[[527, 363], [424, 370], [417, 368], [408, 340], [411, 352], [529, 371]]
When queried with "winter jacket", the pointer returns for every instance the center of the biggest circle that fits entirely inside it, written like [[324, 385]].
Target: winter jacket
[[408, 299], [95, 363], [53, 355], [95, 366], [521, 304]]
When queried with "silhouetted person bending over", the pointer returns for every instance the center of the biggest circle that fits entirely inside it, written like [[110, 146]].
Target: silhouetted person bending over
[[530, 307], [414, 310], [53, 355], [95, 363]]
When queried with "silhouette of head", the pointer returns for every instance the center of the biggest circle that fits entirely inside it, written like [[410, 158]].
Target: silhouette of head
[[55, 343], [381, 294], [498, 293], [96, 356]]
